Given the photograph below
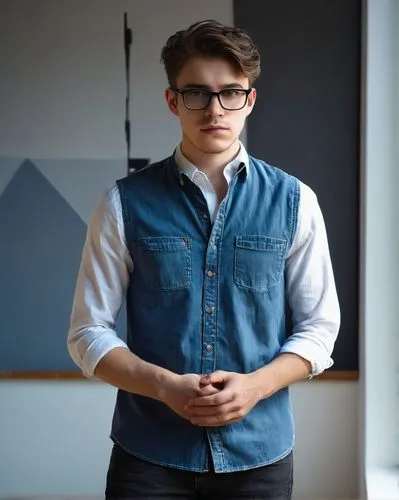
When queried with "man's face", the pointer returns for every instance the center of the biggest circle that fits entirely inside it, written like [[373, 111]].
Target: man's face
[[212, 130]]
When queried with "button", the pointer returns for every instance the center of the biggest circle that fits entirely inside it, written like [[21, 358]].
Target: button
[[214, 242], [209, 348], [209, 274], [205, 216], [209, 309]]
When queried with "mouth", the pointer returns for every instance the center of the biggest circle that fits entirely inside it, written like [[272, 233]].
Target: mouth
[[214, 129]]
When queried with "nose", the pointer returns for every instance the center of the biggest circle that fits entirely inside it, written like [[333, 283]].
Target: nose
[[214, 108]]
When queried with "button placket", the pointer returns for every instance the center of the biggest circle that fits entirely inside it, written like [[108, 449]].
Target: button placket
[[211, 294]]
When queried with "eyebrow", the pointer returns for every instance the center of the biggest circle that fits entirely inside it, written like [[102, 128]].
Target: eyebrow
[[207, 87]]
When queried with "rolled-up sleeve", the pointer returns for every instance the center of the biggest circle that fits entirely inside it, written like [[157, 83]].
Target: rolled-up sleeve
[[101, 286], [311, 289]]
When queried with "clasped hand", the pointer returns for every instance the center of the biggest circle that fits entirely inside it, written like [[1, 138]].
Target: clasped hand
[[222, 398]]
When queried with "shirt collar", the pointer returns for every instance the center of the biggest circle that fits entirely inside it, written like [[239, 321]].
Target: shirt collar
[[186, 167]]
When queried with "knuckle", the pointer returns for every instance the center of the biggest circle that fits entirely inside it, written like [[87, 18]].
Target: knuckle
[[237, 406], [240, 413]]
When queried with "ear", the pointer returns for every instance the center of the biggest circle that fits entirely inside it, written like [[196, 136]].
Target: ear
[[251, 101], [171, 99]]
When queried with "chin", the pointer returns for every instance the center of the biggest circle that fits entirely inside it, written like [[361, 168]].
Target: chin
[[215, 146]]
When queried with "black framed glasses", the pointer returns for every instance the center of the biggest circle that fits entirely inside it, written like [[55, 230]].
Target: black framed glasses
[[229, 99]]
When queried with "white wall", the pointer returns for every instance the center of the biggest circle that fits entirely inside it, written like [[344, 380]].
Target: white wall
[[381, 250], [62, 96], [380, 345]]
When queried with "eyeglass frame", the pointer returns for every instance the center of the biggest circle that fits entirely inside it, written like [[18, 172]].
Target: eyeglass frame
[[212, 94]]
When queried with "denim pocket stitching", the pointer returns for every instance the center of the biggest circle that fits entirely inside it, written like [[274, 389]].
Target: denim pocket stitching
[[259, 244], [168, 244]]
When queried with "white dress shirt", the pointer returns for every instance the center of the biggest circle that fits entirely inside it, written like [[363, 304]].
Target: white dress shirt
[[106, 265]]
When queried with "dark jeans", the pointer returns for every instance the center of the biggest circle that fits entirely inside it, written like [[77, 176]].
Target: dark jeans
[[131, 478]]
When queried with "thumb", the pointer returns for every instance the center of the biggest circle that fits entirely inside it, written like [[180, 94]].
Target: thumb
[[218, 377]]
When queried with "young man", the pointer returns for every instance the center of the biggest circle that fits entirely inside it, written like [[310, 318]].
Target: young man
[[205, 246]]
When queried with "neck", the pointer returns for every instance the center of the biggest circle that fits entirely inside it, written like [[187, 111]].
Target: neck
[[212, 164]]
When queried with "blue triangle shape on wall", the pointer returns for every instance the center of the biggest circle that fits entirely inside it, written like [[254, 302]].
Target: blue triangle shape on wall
[[40, 251]]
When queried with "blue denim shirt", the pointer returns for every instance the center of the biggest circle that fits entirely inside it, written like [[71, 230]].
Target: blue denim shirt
[[204, 297]]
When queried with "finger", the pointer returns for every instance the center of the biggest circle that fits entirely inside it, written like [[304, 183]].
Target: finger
[[218, 377], [220, 398], [211, 411], [218, 420], [207, 390]]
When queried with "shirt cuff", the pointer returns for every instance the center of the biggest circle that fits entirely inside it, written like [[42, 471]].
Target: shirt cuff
[[97, 350], [306, 349]]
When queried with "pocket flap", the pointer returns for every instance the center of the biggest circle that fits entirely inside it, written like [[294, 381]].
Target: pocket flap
[[260, 242], [164, 243]]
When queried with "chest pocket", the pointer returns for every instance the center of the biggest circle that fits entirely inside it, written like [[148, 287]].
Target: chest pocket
[[164, 261], [258, 262]]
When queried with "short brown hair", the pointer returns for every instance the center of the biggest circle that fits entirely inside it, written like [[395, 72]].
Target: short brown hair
[[211, 39]]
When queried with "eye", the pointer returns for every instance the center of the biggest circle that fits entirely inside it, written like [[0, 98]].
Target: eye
[[197, 93], [231, 93]]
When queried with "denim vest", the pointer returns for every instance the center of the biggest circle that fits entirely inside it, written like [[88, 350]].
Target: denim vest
[[204, 297]]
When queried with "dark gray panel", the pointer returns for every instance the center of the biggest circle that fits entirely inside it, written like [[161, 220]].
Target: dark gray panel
[[307, 122], [40, 251]]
